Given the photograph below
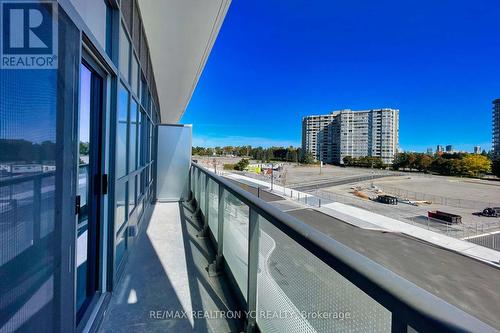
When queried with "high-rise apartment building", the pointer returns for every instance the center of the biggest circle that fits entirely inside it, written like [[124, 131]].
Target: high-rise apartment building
[[332, 137], [496, 128], [477, 149], [315, 136], [449, 149], [439, 149]]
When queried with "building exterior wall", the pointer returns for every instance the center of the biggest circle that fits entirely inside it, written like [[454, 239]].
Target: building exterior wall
[[316, 135], [343, 133], [45, 110], [496, 128]]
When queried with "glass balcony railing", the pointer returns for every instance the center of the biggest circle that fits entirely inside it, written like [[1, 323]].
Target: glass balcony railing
[[290, 277]]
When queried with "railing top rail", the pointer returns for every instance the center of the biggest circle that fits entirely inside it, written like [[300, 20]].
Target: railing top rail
[[6, 181], [416, 306]]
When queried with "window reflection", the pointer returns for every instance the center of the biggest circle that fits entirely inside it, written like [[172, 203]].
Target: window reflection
[[131, 197], [124, 53], [121, 195], [121, 132], [132, 137]]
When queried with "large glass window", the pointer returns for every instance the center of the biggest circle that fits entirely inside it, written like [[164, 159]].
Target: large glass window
[[144, 92], [36, 201], [121, 132], [120, 247], [134, 81], [124, 53], [140, 140], [120, 197], [131, 197], [133, 137]]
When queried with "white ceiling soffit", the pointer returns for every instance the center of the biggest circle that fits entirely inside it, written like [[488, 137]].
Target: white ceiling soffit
[[180, 35]]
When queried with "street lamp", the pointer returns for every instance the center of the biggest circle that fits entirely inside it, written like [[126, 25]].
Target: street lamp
[[272, 176]]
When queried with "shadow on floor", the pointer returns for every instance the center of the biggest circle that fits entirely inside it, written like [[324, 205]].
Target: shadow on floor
[[165, 280]]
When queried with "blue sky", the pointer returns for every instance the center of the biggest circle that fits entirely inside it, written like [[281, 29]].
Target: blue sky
[[277, 61]]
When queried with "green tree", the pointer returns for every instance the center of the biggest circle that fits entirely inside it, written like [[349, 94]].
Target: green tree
[[242, 164], [307, 158], [348, 160]]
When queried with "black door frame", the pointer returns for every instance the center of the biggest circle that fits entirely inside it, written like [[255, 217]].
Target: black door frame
[[96, 187]]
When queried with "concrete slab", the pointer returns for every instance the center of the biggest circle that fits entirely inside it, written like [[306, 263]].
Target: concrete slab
[[166, 274]]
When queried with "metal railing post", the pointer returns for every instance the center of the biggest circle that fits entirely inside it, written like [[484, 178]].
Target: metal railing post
[[207, 196], [253, 266], [203, 213], [195, 185], [190, 183], [197, 192], [37, 211], [398, 326], [216, 267], [198, 189]]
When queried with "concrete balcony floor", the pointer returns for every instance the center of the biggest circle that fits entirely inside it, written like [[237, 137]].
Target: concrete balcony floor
[[166, 272]]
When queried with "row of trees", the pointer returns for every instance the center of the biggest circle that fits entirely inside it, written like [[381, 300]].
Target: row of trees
[[290, 154], [365, 162], [13, 150], [457, 164]]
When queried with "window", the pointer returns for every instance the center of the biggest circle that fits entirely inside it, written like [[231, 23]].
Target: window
[[140, 160], [134, 81], [144, 93], [124, 54], [131, 196], [109, 30], [121, 132], [121, 197], [132, 147]]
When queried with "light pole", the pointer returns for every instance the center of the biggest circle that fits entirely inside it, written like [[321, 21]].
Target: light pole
[[272, 176]]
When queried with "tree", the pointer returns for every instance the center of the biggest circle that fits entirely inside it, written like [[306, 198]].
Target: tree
[[269, 154], [423, 162], [242, 164], [307, 158], [412, 159], [348, 160], [475, 165]]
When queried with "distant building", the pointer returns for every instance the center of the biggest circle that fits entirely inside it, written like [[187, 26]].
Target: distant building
[[449, 149], [330, 138], [429, 151], [477, 150], [439, 149], [496, 128], [314, 138]]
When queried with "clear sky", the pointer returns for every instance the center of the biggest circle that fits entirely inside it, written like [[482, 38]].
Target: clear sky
[[277, 61]]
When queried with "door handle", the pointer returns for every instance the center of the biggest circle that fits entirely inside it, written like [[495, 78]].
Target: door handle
[[77, 205], [105, 183]]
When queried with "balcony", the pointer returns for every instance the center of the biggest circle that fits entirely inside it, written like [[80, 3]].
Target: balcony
[[230, 260]]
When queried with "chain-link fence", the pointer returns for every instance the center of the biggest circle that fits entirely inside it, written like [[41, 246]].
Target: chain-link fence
[[482, 233]]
